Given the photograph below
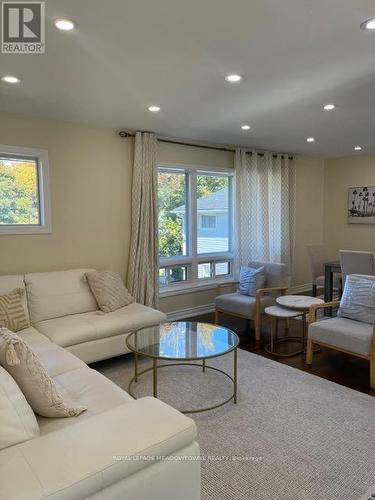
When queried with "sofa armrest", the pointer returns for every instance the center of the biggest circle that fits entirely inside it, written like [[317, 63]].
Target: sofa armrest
[[88, 456], [264, 291], [224, 288], [315, 307]]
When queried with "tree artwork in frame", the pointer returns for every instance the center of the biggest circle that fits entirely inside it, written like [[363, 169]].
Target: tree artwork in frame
[[361, 205]]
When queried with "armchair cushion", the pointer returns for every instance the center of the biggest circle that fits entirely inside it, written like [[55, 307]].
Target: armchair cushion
[[343, 333], [242, 305], [358, 300]]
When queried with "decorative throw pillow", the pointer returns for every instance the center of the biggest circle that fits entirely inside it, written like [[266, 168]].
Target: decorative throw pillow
[[109, 290], [358, 299], [12, 313], [251, 280], [17, 419], [17, 357]]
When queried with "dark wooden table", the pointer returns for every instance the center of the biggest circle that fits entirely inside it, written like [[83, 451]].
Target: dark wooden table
[[330, 268]]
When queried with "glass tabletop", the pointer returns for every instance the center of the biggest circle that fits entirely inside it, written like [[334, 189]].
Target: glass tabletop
[[183, 340]]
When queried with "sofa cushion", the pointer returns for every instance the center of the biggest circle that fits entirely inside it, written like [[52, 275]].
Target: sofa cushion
[[89, 459], [12, 311], [17, 419], [243, 305], [18, 358], [57, 294], [109, 290], [32, 336], [78, 328], [9, 283], [84, 387], [346, 334]]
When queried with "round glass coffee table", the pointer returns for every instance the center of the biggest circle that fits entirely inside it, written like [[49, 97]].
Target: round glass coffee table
[[187, 343]]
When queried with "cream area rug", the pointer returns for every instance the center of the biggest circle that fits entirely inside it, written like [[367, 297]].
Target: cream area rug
[[291, 436]]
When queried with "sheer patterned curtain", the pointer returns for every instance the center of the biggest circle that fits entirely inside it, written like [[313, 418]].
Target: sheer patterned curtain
[[143, 268], [265, 202]]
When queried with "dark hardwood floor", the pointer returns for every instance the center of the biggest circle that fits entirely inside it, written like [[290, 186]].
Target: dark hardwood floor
[[332, 365]]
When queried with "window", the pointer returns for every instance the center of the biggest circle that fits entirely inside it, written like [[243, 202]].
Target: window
[[24, 195], [208, 221], [195, 225]]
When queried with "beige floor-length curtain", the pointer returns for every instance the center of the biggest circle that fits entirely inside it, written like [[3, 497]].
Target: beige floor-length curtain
[[265, 207], [143, 268]]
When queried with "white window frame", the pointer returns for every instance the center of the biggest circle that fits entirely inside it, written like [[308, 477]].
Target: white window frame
[[41, 157], [192, 259]]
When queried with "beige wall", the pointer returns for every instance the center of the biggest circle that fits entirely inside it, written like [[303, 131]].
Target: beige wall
[[90, 172], [91, 189], [340, 174]]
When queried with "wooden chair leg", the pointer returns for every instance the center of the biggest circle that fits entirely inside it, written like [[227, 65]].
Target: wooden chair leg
[[258, 327], [216, 317], [372, 372], [309, 352]]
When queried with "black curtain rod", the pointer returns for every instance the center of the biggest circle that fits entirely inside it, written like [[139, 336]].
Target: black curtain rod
[[125, 134]]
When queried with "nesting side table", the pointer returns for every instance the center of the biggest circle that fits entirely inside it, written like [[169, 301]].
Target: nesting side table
[[289, 307]]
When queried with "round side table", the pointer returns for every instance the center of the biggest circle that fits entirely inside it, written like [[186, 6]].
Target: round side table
[[282, 313], [300, 303]]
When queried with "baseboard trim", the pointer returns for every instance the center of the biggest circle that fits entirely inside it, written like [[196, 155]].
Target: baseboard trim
[[209, 308], [190, 311]]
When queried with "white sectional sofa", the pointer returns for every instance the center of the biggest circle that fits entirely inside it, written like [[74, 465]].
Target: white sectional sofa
[[61, 307], [119, 448]]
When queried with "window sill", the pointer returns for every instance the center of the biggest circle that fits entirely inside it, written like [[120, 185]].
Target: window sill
[[191, 287], [15, 229]]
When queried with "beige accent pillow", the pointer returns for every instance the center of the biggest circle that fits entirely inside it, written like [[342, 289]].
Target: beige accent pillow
[[17, 419], [109, 290], [17, 357], [12, 313]]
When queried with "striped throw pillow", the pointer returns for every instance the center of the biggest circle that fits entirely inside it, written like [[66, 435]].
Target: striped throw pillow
[[358, 300], [12, 313], [108, 290]]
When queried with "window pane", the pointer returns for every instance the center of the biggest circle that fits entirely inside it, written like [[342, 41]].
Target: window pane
[[163, 276], [204, 270], [222, 268], [213, 216], [19, 200], [176, 274], [173, 223]]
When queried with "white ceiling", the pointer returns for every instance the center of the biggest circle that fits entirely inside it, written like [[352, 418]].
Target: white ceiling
[[294, 56]]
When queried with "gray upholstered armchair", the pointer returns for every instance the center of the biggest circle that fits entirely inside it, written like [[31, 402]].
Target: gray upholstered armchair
[[230, 301], [342, 334]]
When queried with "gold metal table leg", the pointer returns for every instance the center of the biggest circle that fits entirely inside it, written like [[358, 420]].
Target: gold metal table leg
[[235, 376], [155, 377]]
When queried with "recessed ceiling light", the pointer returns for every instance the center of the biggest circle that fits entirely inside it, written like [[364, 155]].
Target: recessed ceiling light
[[64, 24], [357, 148], [233, 78], [369, 24], [153, 109], [329, 107], [310, 139], [245, 127], [10, 79]]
